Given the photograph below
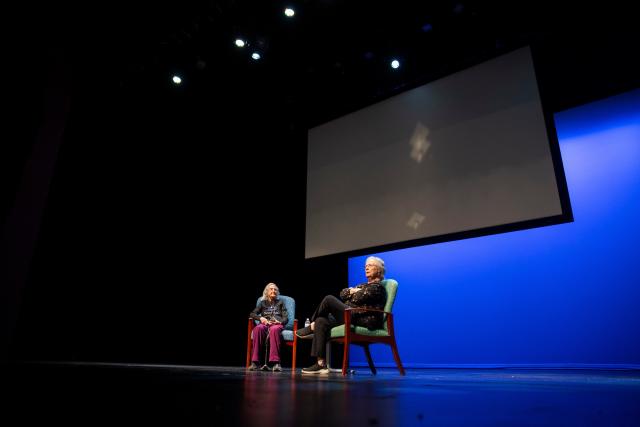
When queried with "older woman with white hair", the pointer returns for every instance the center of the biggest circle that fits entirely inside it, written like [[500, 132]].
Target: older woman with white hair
[[330, 312], [272, 315]]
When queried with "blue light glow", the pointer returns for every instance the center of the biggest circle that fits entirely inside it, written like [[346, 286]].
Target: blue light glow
[[563, 295]]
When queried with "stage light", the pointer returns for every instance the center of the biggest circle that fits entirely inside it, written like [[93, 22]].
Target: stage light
[[289, 12], [256, 55], [177, 80], [240, 43], [395, 64]]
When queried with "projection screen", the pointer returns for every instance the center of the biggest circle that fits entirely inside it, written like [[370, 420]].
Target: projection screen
[[465, 152]]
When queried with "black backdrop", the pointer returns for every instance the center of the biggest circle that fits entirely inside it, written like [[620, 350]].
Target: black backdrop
[[172, 207], [170, 210]]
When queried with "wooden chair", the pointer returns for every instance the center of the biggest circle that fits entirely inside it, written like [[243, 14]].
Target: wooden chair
[[289, 337], [348, 334]]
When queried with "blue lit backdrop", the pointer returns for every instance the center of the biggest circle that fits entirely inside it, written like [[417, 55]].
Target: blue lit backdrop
[[560, 296]]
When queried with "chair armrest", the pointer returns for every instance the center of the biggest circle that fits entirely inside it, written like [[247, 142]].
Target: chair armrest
[[295, 337]]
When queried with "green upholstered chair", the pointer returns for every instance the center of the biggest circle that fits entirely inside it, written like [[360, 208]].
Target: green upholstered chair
[[348, 334]]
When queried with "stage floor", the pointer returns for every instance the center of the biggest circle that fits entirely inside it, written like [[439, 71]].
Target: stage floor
[[122, 394]]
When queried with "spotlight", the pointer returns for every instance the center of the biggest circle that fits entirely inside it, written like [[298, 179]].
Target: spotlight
[[177, 80], [240, 43], [256, 55], [395, 64], [289, 12]]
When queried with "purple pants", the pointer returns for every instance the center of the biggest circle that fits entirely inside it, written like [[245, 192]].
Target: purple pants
[[260, 335]]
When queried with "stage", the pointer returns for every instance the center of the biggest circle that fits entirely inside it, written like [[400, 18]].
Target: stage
[[115, 394]]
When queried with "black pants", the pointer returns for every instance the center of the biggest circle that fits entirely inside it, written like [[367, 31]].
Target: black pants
[[329, 313]]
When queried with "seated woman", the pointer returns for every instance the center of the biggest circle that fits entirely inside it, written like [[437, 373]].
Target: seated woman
[[330, 312], [272, 315]]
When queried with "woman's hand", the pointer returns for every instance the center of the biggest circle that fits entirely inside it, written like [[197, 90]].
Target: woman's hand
[[264, 321]]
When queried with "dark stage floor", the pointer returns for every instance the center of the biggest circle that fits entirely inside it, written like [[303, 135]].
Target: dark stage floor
[[102, 394]]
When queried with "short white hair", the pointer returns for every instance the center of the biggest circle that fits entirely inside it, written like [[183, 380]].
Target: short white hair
[[266, 288], [379, 262]]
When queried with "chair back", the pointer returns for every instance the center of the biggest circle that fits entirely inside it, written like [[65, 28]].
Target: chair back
[[391, 287], [290, 304]]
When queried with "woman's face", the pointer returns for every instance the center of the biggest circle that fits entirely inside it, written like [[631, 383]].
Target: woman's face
[[372, 270], [272, 292]]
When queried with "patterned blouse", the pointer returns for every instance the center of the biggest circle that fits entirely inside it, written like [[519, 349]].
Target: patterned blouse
[[371, 295]]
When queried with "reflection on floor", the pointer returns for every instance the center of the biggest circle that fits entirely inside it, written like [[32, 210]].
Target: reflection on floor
[[107, 394]]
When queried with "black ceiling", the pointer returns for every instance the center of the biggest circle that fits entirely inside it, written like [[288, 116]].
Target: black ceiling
[[333, 56]]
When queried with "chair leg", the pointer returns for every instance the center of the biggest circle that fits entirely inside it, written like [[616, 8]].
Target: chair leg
[[295, 349], [369, 359], [249, 344], [327, 357], [248, 352], [345, 359], [396, 356]]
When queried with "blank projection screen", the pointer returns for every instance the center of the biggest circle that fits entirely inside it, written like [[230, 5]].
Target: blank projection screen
[[465, 152]]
